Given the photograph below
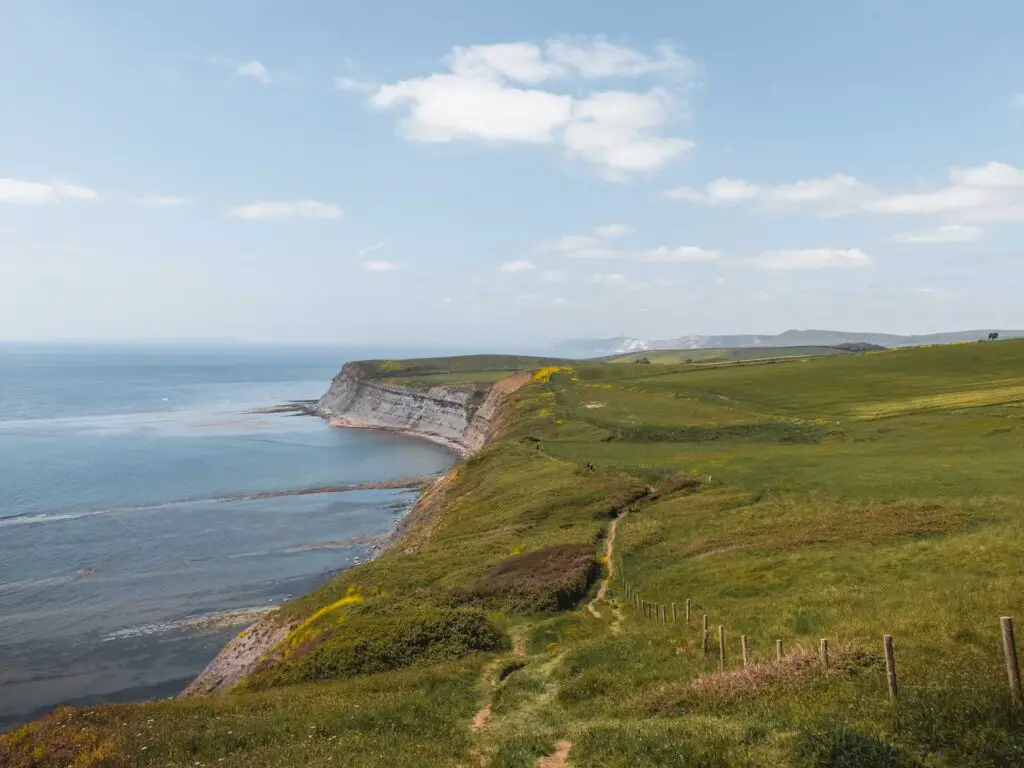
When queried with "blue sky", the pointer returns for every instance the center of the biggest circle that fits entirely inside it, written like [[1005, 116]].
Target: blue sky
[[508, 173]]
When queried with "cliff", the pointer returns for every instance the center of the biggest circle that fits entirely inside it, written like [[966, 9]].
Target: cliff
[[460, 417], [464, 418]]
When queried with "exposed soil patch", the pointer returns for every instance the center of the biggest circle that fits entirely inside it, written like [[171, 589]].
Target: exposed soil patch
[[559, 758]]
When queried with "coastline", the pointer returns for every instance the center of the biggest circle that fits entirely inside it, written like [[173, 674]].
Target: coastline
[[244, 652], [461, 451]]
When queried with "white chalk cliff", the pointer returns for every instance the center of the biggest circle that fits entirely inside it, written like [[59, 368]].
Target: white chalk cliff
[[460, 417]]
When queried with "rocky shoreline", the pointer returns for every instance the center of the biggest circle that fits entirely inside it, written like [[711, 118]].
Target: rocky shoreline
[[447, 416]]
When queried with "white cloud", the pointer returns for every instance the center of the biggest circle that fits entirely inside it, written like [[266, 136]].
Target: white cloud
[[577, 243], [474, 99], [300, 209], [594, 253], [71, 190], [833, 195], [379, 266], [161, 201], [596, 247], [521, 265], [354, 85], [951, 233], [601, 59], [255, 70], [814, 258], [589, 246], [939, 201], [369, 249], [449, 107], [609, 279], [20, 191], [521, 62], [613, 230], [990, 192], [615, 129], [680, 253], [552, 276]]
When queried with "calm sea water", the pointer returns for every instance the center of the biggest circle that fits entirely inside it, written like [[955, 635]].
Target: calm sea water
[[118, 560]]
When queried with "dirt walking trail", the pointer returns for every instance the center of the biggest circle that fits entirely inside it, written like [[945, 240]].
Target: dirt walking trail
[[519, 652], [559, 758], [609, 558]]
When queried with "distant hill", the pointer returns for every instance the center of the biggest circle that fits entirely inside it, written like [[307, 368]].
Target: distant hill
[[791, 338]]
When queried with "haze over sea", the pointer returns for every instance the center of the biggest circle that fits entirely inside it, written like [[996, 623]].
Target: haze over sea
[[118, 561]]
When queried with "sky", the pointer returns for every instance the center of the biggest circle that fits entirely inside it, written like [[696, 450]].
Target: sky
[[508, 173]]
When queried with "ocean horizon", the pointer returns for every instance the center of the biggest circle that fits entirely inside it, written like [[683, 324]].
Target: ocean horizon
[[131, 547]]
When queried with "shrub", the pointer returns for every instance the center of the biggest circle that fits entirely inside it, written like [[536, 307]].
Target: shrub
[[549, 579], [368, 644]]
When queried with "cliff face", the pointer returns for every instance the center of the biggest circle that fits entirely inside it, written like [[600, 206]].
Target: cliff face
[[459, 417], [465, 419]]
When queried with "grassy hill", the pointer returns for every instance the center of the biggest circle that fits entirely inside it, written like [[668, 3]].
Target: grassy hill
[[840, 497], [679, 356]]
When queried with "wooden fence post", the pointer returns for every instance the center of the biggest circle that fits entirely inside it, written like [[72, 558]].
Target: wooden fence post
[[890, 668], [687, 611], [664, 614], [778, 650], [743, 647], [721, 647], [704, 642], [1010, 652], [674, 615], [824, 653]]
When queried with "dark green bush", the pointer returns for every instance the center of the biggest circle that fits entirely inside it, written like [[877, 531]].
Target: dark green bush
[[367, 644]]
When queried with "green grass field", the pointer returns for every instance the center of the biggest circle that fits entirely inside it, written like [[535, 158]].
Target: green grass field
[[427, 372], [678, 356], [840, 497]]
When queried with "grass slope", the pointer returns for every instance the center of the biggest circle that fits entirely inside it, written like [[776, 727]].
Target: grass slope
[[424, 373], [841, 497]]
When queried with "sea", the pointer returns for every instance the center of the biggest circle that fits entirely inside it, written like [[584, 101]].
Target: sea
[[127, 557]]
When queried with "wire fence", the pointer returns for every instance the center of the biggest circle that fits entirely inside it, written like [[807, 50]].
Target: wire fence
[[682, 613]]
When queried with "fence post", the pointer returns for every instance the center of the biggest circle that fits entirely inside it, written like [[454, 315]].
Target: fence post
[[673, 613], [743, 647], [687, 611], [890, 668], [721, 647], [824, 653], [778, 650], [1010, 652], [704, 642], [664, 614]]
